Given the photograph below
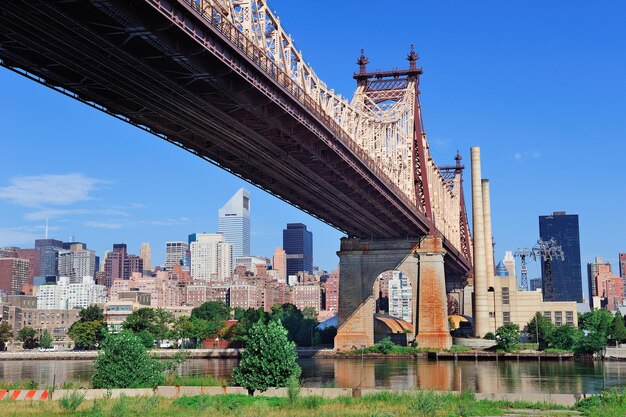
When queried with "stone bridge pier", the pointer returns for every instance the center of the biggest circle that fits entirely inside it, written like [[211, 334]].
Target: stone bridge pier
[[420, 260]]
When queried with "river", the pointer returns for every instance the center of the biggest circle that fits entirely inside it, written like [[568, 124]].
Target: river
[[483, 376]]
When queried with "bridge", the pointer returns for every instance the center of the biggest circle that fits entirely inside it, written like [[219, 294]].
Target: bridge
[[224, 81]]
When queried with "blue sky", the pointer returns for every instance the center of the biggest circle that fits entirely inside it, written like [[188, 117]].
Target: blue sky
[[539, 86]]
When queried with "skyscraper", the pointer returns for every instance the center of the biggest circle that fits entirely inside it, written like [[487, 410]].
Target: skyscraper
[[622, 265], [509, 263], [234, 223], [298, 245], [48, 255], [211, 257], [279, 263], [566, 274], [145, 253], [400, 297], [13, 275], [175, 253], [77, 262], [592, 271], [120, 265]]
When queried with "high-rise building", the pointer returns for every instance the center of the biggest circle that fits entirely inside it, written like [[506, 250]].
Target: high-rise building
[[32, 254], [592, 271], [298, 245], [279, 263], [13, 275], [566, 274], [234, 223], [48, 255], [67, 295], [211, 257], [146, 255], [252, 263], [535, 284], [400, 297], [120, 265], [509, 263], [501, 270], [175, 254], [622, 265], [76, 262]]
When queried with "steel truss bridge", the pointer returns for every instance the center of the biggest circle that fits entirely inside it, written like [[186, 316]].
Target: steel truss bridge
[[223, 80]]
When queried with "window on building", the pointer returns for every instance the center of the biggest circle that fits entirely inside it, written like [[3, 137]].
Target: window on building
[[505, 295], [548, 315], [558, 318], [569, 318], [506, 317]]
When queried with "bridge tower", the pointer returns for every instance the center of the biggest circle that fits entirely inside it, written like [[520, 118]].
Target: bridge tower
[[395, 139]]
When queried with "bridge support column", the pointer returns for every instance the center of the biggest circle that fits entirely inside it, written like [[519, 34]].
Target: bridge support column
[[362, 261], [433, 330]]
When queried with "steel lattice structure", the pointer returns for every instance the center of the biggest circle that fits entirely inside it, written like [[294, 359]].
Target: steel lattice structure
[[383, 118]]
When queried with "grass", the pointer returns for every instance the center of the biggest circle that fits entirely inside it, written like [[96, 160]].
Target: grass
[[23, 384], [385, 404], [404, 350], [196, 381]]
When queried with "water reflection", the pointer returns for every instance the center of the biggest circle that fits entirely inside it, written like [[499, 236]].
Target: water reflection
[[509, 376]]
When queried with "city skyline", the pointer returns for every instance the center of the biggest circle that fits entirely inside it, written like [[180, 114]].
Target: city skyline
[[526, 144]]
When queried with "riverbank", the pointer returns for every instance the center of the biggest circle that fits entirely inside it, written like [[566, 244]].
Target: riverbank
[[92, 354], [302, 353]]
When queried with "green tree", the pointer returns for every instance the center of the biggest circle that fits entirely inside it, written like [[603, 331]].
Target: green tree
[[292, 319], [539, 329], [618, 330], [90, 328], [27, 336], [163, 320], [125, 363], [212, 311], [144, 319], [595, 326], [6, 334], [45, 342], [507, 337], [245, 320], [564, 337], [309, 313], [269, 359], [91, 313], [86, 335]]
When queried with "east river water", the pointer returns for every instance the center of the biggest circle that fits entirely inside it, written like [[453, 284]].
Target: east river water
[[483, 376]]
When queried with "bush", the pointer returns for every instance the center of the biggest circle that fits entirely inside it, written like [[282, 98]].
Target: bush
[[125, 363], [490, 336], [385, 346], [71, 401], [507, 337], [269, 359]]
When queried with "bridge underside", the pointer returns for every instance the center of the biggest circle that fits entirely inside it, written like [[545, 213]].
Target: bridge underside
[[157, 65]]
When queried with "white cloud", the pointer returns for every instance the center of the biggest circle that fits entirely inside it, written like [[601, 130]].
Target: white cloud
[[52, 213], [168, 222], [38, 190], [103, 225], [521, 156], [16, 236]]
